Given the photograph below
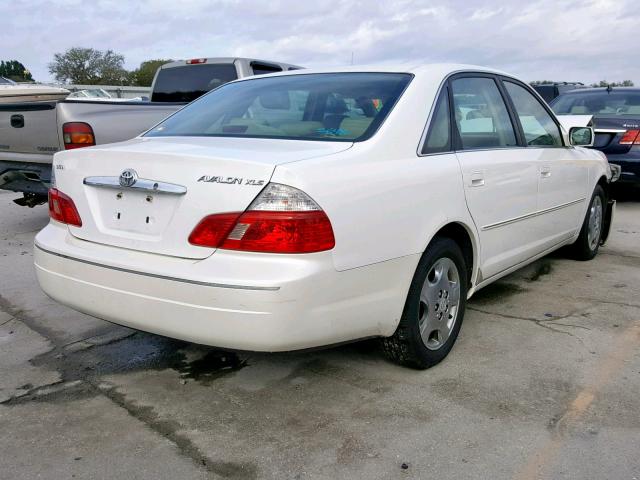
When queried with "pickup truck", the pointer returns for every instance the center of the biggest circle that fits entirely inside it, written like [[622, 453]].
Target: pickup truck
[[31, 132]]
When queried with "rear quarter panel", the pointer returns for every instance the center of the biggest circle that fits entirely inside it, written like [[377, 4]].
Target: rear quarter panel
[[385, 201]]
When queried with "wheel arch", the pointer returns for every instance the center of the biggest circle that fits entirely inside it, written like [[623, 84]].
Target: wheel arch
[[465, 237], [604, 183]]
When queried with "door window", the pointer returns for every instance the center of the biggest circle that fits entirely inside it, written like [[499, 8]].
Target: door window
[[438, 139], [481, 115], [539, 128]]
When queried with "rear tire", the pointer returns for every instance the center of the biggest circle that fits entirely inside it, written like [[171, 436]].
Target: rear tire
[[588, 243], [434, 308]]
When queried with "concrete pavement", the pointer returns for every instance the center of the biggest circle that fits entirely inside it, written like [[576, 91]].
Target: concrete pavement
[[544, 382]]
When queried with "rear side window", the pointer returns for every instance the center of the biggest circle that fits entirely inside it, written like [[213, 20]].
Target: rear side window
[[481, 115], [186, 83], [439, 136], [539, 128], [264, 68]]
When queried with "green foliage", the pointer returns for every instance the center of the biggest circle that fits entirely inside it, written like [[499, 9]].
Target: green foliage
[[88, 66], [604, 83], [14, 70], [541, 82], [143, 75]]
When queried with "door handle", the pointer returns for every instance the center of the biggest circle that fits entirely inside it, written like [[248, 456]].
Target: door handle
[[545, 172], [477, 179]]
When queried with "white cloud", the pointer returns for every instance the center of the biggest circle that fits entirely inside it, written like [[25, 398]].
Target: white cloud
[[585, 40]]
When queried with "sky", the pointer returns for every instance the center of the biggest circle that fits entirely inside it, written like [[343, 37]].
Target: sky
[[562, 40]]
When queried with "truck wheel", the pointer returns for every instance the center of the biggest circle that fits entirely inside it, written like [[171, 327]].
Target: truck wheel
[[434, 308], [586, 247]]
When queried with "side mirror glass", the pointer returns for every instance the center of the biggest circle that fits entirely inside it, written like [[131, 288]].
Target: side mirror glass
[[581, 136]]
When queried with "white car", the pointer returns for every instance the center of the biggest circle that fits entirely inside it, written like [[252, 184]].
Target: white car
[[310, 208]]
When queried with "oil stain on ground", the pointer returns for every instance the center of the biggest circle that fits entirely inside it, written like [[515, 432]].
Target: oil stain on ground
[[212, 365], [539, 270], [496, 292]]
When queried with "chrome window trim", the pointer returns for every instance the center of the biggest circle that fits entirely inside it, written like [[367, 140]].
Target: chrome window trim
[[155, 275], [503, 223]]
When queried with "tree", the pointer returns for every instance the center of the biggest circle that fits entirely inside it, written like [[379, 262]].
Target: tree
[[143, 75], [541, 82], [14, 70], [604, 83], [87, 66]]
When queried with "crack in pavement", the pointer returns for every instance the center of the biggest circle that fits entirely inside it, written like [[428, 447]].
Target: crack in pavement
[[611, 366], [18, 314], [80, 384], [541, 322]]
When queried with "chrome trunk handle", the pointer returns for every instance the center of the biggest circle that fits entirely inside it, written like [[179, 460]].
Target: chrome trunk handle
[[140, 184]]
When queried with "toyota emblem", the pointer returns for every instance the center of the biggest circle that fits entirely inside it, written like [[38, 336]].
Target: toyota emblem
[[128, 177]]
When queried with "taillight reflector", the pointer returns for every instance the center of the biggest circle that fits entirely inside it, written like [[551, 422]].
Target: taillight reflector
[[213, 229], [195, 61], [77, 135], [630, 137], [62, 208]]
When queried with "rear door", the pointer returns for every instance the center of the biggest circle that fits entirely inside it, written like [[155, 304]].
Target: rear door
[[562, 175], [500, 182]]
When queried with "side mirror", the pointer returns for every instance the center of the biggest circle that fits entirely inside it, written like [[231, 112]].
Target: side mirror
[[581, 136]]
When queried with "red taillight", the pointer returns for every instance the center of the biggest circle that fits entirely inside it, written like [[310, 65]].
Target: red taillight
[[195, 61], [77, 135], [264, 231], [62, 208], [213, 229], [281, 232], [282, 219], [631, 137]]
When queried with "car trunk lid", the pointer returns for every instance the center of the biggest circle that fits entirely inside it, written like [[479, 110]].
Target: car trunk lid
[[609, 130], [180, 180]]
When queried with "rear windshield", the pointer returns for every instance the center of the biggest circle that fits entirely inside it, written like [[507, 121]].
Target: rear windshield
[[598, 103], [331, 107], [185, 84]]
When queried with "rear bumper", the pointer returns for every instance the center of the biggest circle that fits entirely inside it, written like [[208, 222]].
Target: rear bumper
[[630, 165], [232, 300], [26, 177]]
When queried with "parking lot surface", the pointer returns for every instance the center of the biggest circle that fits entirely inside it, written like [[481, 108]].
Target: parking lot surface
[[544, 382]]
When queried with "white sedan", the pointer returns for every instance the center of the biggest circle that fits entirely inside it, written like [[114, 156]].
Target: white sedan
[[311, 208]]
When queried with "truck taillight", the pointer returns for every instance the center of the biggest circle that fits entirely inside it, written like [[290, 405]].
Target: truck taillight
[[196, 61], [77, 135], [281, 219], [631, 137], [62, 208]]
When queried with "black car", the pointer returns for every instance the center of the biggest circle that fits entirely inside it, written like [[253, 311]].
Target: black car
[[616, 119], [549, 91]]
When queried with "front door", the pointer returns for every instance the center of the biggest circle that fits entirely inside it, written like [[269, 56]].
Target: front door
[[562, 175]]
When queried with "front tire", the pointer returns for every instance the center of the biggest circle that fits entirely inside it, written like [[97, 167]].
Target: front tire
[[434, 308], [588, 243]]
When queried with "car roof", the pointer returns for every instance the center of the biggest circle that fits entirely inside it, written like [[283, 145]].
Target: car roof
[[431, 69]]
